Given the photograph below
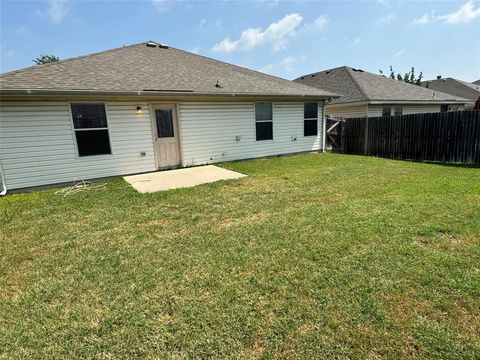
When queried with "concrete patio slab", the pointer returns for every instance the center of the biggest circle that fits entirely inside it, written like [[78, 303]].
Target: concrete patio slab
[[180, 178]]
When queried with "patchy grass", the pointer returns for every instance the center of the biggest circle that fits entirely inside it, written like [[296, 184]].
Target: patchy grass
[[310, 256]]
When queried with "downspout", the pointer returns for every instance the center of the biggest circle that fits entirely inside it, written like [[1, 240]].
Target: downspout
[[3, 188]]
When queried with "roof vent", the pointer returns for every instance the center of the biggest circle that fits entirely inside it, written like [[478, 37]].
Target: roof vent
[[151, 44], [327, 72], [163, 46], [313, 75], [357, 70], [303, 77], [217, 85]]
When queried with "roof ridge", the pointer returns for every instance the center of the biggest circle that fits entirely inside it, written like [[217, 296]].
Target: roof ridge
[[67, 60], [360, 88]]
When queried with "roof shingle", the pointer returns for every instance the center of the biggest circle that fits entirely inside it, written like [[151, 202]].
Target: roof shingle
[[357, 86], [455, 87], [156, 69]]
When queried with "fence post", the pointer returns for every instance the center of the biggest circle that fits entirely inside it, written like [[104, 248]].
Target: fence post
[[365, 143]]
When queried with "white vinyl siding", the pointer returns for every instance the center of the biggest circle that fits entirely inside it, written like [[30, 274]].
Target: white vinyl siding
[[37, 145], [376, 110], [346, 111], [209, 131]]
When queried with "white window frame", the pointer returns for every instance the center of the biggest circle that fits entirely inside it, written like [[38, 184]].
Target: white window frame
[[77, 154], [387, 107], [255, 119], [304, 118]]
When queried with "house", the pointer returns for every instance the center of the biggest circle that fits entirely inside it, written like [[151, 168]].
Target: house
[[367, 94], [476, 82], [455, 87], [146, 107]]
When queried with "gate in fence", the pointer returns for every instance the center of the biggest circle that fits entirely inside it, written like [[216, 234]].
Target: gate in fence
[[445, 137]]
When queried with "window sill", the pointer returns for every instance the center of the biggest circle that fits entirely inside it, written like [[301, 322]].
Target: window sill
[[93, 156]]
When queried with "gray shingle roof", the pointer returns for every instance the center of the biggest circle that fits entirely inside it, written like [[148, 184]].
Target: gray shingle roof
[[476, 82], [358, 86], [455, 87], [154, 69]]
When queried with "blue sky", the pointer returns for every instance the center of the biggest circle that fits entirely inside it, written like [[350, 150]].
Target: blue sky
[[283, 38]]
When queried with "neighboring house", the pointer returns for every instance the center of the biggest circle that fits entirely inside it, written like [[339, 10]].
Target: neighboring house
[[455, 87], [145, 107], [367, 94], [476, 82]]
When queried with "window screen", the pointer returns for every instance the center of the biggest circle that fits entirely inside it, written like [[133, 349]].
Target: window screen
[[386, 111], [310, 119], [398, 111], [91, 129], [164, 123], [263, 121]]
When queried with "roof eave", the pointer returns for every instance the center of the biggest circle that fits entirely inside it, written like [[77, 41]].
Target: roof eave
[[435, 101], [143, 93]]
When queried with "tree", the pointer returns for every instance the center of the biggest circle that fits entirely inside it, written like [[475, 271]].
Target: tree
[[45, 59], [408, 77]]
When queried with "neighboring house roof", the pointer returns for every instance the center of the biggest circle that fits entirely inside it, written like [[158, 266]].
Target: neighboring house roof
[[476, 82], [150, 68], [455, 87], [356, 85]]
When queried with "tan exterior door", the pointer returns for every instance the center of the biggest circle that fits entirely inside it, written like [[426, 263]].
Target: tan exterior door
[[167, 147]]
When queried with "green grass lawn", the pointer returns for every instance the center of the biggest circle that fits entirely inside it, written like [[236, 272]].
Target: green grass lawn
[[310, 256]]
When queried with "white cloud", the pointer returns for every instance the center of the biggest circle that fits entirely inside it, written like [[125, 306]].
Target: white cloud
[[269, 3], [196, 50], [466, 13], [399, 53], [357, 40], [9, 54], [276, 34], [23, 30], [57, 10], [206, 25], [423, 20], [320, 21], [162, 5], [386, 19], [283, 66]]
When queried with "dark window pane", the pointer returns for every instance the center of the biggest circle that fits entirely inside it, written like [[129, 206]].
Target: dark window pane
[[310, 111], [398, 111], [87, 116], [164, 123], [386, 111], [263, 111], [310, 127], [264, 130], [443, 108], [93, 142]]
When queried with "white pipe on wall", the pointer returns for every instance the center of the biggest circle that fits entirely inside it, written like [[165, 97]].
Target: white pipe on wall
[[2, 179]]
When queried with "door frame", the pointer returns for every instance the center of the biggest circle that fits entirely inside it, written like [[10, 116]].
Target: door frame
[[166, 105]]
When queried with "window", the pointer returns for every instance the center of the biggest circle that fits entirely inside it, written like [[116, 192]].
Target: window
[[310, 119], [91, 129], [386, 111], [164, 123], [263, 121], [443, 108], [398, 111]]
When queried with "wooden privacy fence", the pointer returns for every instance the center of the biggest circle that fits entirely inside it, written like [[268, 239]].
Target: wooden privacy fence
[[445, 137]]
